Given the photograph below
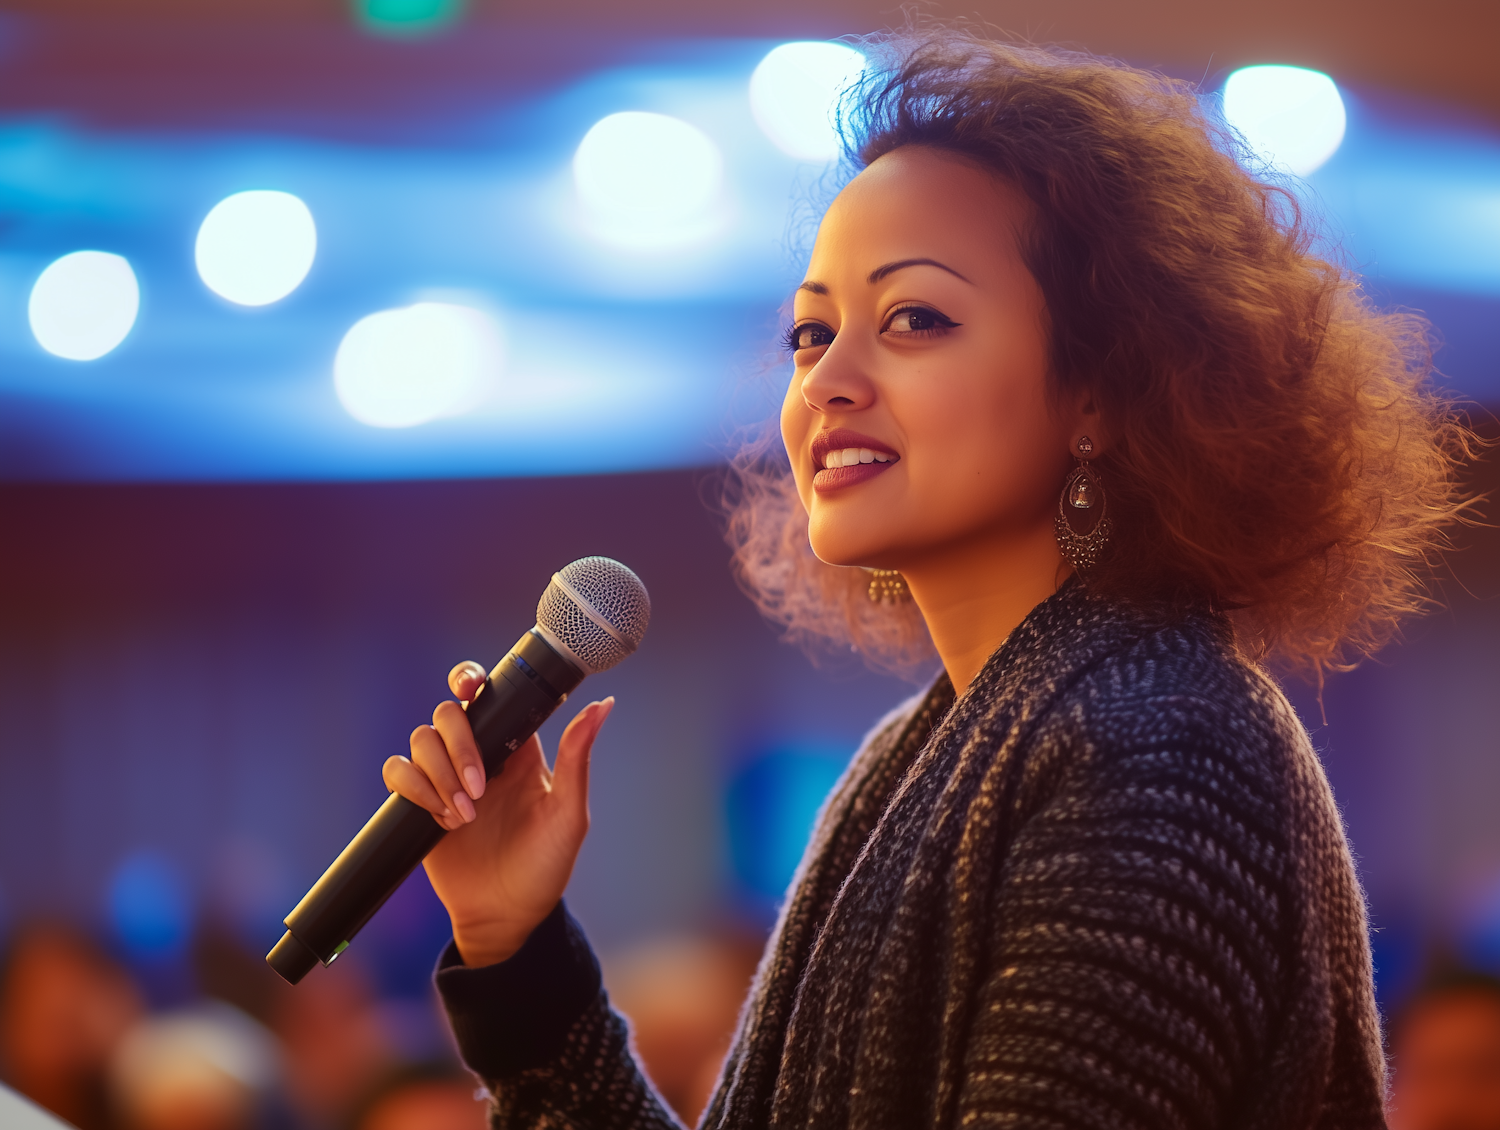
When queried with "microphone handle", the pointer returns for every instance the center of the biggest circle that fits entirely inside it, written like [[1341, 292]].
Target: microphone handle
[[518, 696]]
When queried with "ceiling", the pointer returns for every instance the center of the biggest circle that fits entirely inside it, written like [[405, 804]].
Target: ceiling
[[437, 170]]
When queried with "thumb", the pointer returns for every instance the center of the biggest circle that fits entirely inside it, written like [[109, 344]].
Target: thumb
[[570, 774]]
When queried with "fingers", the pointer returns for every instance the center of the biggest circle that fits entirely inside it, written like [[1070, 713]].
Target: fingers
[[401, 776], [570, 776], [430, 754], [465, 680], [452, 725]]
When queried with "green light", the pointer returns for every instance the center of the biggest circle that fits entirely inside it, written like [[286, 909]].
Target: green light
[[406, 17]]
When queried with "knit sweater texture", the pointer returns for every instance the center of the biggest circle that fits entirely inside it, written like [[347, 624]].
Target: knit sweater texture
[[1105, 888]]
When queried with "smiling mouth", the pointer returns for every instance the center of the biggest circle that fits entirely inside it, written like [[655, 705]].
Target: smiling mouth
[[849, 466], [852, 457]]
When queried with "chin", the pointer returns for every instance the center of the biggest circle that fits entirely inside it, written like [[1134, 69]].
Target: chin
[[835, 546]]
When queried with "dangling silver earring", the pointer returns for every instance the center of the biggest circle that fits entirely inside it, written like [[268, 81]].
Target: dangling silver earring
[[1082, 490]]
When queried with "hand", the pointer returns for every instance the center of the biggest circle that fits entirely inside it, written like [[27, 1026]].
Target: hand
[[511, 841]]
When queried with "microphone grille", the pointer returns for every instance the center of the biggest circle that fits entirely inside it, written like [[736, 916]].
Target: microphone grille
[[598, 609]]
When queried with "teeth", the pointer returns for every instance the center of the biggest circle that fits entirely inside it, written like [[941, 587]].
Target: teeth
[[849, 456]]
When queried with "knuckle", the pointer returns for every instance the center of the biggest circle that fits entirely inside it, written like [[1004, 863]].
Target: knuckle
[[434, 762], [453, 725]]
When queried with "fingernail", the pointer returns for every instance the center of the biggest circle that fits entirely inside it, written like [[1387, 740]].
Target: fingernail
[[464, 805], [475, 671], [607, 705], [474, 781]]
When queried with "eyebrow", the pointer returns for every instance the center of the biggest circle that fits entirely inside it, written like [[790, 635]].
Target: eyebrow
[[901, 264], [889, 269]]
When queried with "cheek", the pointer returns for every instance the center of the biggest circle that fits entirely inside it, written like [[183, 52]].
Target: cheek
[[989, 444], [796, 424]]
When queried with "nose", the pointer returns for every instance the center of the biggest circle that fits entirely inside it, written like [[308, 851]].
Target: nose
[[838, 383]]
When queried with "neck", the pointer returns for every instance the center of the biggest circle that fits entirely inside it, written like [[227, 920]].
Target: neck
[[973, 594]]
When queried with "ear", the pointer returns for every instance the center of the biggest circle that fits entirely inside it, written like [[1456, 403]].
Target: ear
[[1081, 418]]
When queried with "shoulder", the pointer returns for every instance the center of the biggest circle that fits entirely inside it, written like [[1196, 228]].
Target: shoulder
[[1180, 679], [1175, 715]]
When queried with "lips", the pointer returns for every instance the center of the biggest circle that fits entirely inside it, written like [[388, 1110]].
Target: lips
[[839, 446], [836, 478]]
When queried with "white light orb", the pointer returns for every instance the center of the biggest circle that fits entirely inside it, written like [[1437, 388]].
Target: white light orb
[[795, 91], [84, 304], [398, 368], [648, 179], [1293, 118], [256, 247]]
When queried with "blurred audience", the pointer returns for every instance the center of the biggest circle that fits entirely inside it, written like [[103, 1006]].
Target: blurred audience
[[682, 997], [65, 1008], [206, 1068], [228, 970], [427, 1096], [1445, 1054], [336, 1042], [255, 1054]]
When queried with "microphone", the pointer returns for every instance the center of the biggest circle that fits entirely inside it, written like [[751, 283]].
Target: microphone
[[592, 615]]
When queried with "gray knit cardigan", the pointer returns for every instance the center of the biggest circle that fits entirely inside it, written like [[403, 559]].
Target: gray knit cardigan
[[1106, 888]]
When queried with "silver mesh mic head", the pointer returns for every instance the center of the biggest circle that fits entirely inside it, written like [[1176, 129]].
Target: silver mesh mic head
[[596, 610]]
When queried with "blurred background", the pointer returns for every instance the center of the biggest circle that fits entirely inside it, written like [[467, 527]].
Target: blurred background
[[329, 329]]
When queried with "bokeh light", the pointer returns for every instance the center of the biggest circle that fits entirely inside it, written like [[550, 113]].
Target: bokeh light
[[770, 806], [1293, 118], [794, 94], [256, 247], [149, 909], [398, 368], [649, 180], [84, 304]]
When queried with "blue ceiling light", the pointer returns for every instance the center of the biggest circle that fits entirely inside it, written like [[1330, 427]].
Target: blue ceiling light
[[1292, 118], [634, 303], [256, 247], [84, 304], [406, 18], [399, 368], [794, 95], [649, 181]]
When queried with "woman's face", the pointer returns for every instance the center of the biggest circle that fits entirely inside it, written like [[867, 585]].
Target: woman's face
[[920, 344]]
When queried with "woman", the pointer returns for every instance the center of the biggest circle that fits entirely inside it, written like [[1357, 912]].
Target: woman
[[1071, 382]]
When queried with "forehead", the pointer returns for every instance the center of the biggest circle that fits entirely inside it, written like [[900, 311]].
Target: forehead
[[916, 201]]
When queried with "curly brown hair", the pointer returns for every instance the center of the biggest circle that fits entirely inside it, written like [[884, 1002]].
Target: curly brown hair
[[1276, 450]]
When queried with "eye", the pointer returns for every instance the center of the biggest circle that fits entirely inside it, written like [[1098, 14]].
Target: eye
[[918, 320], [807, 335]]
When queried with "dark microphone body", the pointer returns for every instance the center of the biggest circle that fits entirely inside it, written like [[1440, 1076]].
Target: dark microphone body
[[592, 615]]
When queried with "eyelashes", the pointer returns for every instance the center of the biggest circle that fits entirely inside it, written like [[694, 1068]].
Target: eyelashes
[[906, 321], [806, 335], [918, 320]]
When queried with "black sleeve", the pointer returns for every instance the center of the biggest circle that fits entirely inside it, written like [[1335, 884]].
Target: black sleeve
[[538, 1029]]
